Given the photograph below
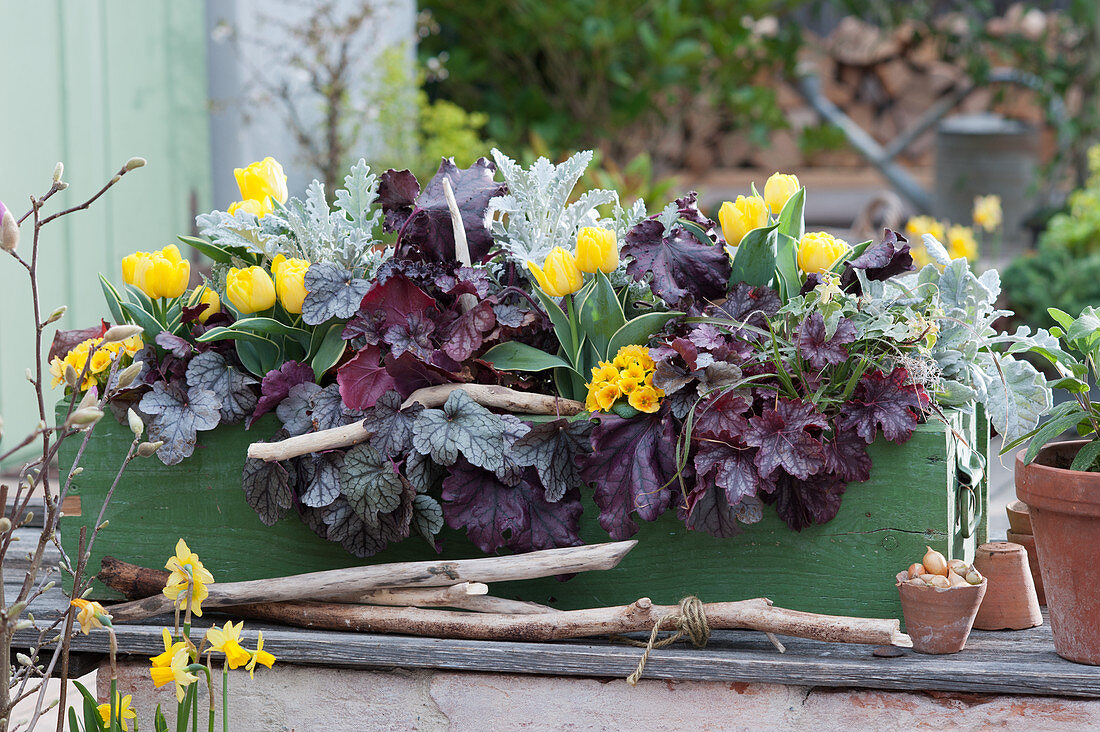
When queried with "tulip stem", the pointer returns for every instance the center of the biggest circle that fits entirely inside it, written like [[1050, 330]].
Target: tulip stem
[[575, 353]]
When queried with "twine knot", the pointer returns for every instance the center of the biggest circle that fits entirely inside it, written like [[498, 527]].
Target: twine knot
[[689, 620]]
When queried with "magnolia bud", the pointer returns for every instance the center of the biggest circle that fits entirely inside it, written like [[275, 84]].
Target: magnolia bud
[[28, 374], [91, 398], [62, 186], [85, 417], [23, 659], [58, 171], [5, 525], [128, 374], [9, 229], [116, 178], [134, 163], [148, 449], [136, 425], [118, 333], [77, 471], [57, 314], [71, 376]]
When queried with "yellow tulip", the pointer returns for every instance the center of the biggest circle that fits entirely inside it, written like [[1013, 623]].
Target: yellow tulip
[[961, 243], [778, 189], [818, 250], [918, 226], [208, 297], [262, 179], [597, 249], [259, 209], [559, 275], [157, 274], [987, 212], [742, 216], [129, 267], [250, 290], [290, 282]]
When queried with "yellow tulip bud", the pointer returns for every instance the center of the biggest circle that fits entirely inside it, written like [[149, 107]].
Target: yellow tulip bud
[[208, 297], [987, 212], [259, 209], [961, 243], [290, 276], [742, 216], [818, 250], [559, 275], [250, 290], [262, 179], [779, 188], [157, 274], [597, 249]]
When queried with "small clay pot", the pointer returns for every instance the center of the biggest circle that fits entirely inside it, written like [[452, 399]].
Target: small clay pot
[[1027, 541], [939, 621], [1011, 602], [1019, 520]]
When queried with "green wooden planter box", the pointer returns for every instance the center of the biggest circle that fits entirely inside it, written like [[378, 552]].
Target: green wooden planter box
[[846, 567]]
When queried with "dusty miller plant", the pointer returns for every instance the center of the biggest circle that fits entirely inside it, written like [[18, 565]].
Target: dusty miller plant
[[46, 643]]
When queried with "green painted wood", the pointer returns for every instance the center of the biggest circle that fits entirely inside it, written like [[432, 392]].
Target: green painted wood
[[111, 79], [844, 567]]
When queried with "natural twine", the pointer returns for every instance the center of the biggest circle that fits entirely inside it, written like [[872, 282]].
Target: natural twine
[[690, 620]]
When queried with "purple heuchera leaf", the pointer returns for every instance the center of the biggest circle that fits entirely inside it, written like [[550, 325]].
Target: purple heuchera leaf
[[398, 297], [732, 469], [65, 340], [175, 345], [801, 503], [846, 455], [818, 351], [721, 418], [363, 379], [409, 374], [412, 336], [886, 402], [631, 464], [423, 224], [684, 270], [880, 261], [747, 304], [277, 383], [785, 438], [688, 208], [463, 336]]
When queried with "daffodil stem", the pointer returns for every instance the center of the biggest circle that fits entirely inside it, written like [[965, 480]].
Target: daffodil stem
[[225, 696], [114, 716]]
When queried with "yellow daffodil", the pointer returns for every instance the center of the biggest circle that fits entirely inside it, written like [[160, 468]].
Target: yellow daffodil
[[987, 212], [597, 249], [559, 275], [227, 640], [644, 399], [259, 656], [262, 180], [122, 709], [259, 209], [778, 190], [251, 290], [290, 282], [187, 571], [176, 670], [961, 243], [158, 274], [918, 226], [818, 250], [607, 395], [205, 296], [742, 216], [162, 660], [91, 615]]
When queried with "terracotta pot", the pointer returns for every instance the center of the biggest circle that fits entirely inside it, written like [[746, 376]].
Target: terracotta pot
[[1065, 518], [1019, 520], [1010, 602], [939, 621], [1027, 541]]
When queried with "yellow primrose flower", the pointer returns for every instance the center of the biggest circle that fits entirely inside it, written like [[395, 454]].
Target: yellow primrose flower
[[742, 216], [227, 640], [987, 212], [92, 615], [591, 403], [961, 243], [559, 275], [262, 179], [158, 274], [628, 384], [918, 226], [101, 360], [605, 372], [205, 296], [818, 250], [628, 354], [778, 189], [607, 395], [162, 660], [259, 656], [645, 399], [186, 571], [290, 282], [57, 371], [250, 290], [122, 708], [176, 670], [633, 370], [259, 209], [597, 249]]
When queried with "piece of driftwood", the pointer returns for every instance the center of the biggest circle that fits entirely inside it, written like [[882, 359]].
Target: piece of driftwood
[[487, 395], [342, 582], [466, 301]]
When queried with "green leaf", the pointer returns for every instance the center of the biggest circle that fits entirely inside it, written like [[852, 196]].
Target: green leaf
[[370, 483], [514, 356], [258, 356], [601, 315], [134, 294], [230, 333], [462, 426], [270, 325], [213, 251], [754, 262], [791, 219], [1086, 456], [148, 323], [74, 723], [1016, 396], [159, 722], [114, 300], [1070, 384], [1049, 431], [329, 351], [858, 249], [786, 265], [558, 317], [1061, 317], [1086, 328], [639, 330], [92, 720]]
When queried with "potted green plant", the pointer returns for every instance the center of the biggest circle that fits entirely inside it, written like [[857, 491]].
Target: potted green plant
[[1060, 483]]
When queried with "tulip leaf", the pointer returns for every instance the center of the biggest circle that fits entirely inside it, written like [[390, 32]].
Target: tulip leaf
[[601, 315], [141, 317], [792, 220], [515, 356], [231, 333], [210, 370], [754, 262], [786, 266], [114, 300], [639, 330], [220, 252], [330, 350], [135, 295], [270, 325], [258, 354], [558, 318], [332, 292]]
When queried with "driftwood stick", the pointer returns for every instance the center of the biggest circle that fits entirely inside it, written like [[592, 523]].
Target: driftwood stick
[[466, 301], [342, 582], [497, 397], [330, 439]]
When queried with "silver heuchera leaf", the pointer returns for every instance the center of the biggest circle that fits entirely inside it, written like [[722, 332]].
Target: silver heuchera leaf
[[320, 478], [462, 426], [427, 517], [510, 471], [370, 483], [332, 292], [293, 411], [268, 487], [552, 449], [177, 418], [390, 425], [210, 370]]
